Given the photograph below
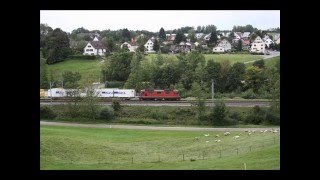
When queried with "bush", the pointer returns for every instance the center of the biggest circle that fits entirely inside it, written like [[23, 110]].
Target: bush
[[218, 116], [249, 94], [106, 113], [46, 113], [84, 57], [114, 84], [272, 118], [116, 105], [159, 115], [255, 116]]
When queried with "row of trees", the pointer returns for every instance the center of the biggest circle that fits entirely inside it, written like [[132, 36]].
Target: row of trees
[[166, 72]]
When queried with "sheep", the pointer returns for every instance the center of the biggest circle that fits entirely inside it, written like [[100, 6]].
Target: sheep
[[206, 135], [217, 140], [236, 137], [275, 131], [261, 131], [196, 138], [207, 141], [227, 133], [253, 131], [249, 133], [217, 135]]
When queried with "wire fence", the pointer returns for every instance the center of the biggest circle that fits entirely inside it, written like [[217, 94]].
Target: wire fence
[[205, 153]]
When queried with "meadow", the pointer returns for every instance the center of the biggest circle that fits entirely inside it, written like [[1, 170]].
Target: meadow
[[74, 148]]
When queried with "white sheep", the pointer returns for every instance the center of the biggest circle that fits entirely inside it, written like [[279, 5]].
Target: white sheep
[[196, 138], [261, 131], [207, 141], [236, 137], [266, 130], [253, 131], [249, 133], [227, 133], [217, 135], [206, 135], [275, 131], [217, 140]]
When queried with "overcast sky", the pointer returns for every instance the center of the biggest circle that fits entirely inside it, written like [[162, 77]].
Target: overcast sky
[[154, 20]]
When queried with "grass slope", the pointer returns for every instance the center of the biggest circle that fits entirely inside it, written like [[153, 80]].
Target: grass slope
[[97, 148], [85, 67]]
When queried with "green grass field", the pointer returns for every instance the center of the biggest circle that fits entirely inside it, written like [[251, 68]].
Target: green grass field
[[268, 62], [85, 67], [220, 57], [102, 148]]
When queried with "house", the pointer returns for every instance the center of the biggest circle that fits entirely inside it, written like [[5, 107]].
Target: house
[[245, 44], [149, 46], [237, 35], [268, 41], [132, 46], [258, 46], [278, 41], [196, 43], [222, 46], [207, 37], [95, 47], [170, 37], [246, 35], [199, 35], [218, 49]]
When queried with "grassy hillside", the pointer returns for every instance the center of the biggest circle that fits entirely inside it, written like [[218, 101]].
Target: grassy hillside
[[97, 148], [271, 62], [85, 67], [220, 57]]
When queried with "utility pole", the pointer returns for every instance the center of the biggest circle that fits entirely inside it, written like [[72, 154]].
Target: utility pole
[[212, 91]]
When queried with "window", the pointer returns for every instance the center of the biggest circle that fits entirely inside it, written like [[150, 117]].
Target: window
[[221, 49], [92, 54], [261, 48], [254, 45], [158, 92], [89, 46]]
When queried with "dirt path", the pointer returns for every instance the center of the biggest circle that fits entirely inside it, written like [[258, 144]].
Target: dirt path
[[152, 127]]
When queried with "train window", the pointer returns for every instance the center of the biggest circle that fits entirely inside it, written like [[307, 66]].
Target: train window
[[103, 92], [158, 92], [167, 92]]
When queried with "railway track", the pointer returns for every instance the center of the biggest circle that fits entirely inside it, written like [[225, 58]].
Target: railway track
[[230, 103]]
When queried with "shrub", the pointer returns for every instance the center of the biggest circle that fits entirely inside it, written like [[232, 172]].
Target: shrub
[[114, 84], [46, 113], [272, 118], [116, 105], [255, 116], [106, 113], [159, 115], [84, 57], [249, 94], [218, 116]]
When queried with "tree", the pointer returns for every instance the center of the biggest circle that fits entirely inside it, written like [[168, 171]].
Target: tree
[[162, 35], [156, 45], [141, 48], [71, 79], [253, 36], [199, 92], [179, 37], [44, 31], [254, 78], [239, 45], [218, 117], [56, 46], [260, 64], [43, 73], [198, 29], [213, 39], [78, 46], [125, 35], [235, 76], [117, 66], [192, 36], [210, 28]]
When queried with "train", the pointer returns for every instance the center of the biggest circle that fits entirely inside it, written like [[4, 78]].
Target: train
[[107, 93]]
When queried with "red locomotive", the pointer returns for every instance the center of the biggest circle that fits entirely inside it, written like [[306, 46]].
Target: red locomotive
[[159, 95]]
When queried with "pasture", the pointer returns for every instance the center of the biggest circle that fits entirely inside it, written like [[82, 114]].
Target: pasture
[[113, 149], [87, 69], [233, 58]]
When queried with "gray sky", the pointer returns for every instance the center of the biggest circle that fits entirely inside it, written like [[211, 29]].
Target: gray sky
[[154, 20]]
